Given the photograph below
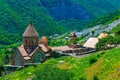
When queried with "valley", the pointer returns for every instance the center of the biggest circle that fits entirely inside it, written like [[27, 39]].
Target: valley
[[47, 39], [51, 19]]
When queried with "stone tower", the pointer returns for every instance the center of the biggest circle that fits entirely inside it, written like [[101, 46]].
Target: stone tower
[[73, 37], [30, 38]]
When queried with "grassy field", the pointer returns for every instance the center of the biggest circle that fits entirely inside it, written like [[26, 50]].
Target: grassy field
[[103, 65]]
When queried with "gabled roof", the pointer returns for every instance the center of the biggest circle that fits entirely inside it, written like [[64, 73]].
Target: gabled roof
[[34, 51], [102, 35], [30, 31], [44, 48], [62, 48], [91, 42], [27, 56], [22, 51]]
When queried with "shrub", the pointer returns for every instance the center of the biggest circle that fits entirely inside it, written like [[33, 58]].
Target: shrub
[[98, 55], [102, 44], [51, 73], [1, 69], [116, 30], [102, 53], [82, 78], [55, 54], [92, 60], [95, 78]]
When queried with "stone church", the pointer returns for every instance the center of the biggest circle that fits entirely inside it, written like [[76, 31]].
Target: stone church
[[32, 50]]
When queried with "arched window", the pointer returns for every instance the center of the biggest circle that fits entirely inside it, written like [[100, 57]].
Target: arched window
[[38, 58]]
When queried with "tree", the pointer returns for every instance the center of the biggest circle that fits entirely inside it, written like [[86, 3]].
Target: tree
[[104, 42], [93, 32], [1, 69], [116, 30]]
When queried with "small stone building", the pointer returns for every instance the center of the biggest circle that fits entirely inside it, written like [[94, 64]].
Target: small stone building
[[31, 52], [73, 37]]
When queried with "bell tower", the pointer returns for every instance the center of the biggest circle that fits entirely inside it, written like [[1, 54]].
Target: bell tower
[[30, 38]]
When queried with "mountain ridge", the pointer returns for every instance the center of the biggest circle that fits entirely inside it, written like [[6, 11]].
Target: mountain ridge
[[15, 15]]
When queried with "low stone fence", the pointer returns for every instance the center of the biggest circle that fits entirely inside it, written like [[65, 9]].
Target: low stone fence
[[10, 68]]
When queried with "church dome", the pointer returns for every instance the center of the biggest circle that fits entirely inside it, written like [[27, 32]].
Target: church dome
[[30, 36], [43, 39], [30, 31]]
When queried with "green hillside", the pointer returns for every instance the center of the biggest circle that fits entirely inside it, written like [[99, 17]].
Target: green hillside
[[15, 17], [50, 16], [57, 17], [99, 7], [77, 13], [103, 65]]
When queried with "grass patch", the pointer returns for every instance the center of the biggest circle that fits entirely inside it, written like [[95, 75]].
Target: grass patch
[[72, 68]]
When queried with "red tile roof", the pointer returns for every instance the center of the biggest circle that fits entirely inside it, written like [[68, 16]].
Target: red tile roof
[[43, 48], [102, 35], [62, 48], [91, 42], [43, 39], [22, 51]]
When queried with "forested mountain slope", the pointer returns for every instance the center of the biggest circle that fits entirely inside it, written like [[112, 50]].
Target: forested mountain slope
[[49, 16]]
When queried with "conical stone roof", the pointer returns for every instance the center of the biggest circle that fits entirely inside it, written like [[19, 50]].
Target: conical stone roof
[[30, 31]]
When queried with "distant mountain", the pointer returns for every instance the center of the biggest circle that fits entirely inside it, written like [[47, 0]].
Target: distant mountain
[[79, 9], [77, 13], [50, 16]]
